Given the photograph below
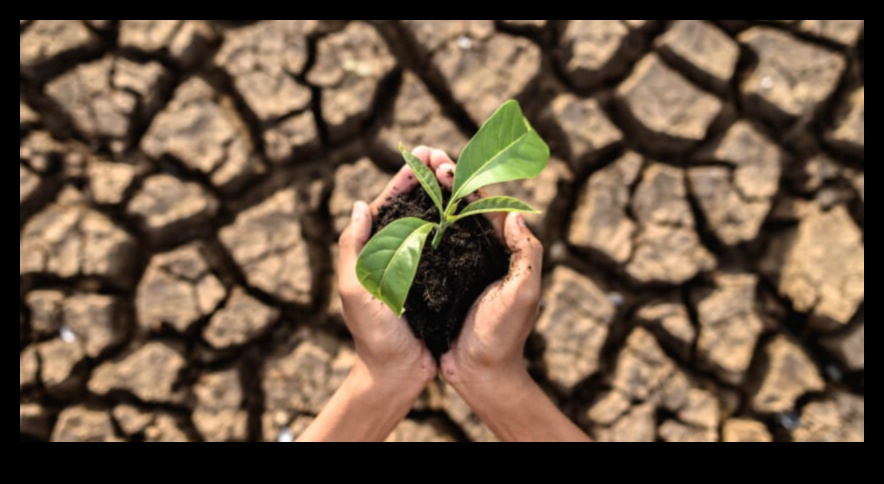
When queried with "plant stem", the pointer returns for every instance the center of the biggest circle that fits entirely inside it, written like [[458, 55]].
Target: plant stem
[[437, 239], [449, 211]]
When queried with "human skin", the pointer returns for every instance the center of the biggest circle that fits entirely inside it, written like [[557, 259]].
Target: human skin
[[485, 365], [392, 367]]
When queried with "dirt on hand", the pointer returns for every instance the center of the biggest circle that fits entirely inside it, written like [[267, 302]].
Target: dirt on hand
[[451, 277]]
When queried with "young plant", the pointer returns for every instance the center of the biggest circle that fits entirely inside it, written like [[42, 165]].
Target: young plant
[[506, 148]]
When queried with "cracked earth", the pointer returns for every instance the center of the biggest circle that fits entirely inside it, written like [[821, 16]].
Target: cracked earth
[[183, 184]]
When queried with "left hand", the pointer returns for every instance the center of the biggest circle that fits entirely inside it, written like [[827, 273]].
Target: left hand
[[392, 367], [385, 345], [491, 344]]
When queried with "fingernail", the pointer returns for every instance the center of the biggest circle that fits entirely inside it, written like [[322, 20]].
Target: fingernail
[[447, 169], [520, 220], [357, 210]]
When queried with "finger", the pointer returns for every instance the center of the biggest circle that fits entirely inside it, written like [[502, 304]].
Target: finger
[[403, 182], [352, 240], [526, 262], [423, 153], [439, 158], [445, 175]]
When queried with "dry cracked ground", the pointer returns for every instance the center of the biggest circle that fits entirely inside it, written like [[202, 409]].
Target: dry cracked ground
[[183, 183]]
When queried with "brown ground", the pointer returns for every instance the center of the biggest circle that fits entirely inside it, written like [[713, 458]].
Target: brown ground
[[182, 186]]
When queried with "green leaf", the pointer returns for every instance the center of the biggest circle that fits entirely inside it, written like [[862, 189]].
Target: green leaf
[[388, 263], [425, 176], [495, 204], [506, 148]]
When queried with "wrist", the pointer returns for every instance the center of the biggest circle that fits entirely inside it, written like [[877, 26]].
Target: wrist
[[490, 387], [365, 408], [473, 373], [393, 385], [514, 406]]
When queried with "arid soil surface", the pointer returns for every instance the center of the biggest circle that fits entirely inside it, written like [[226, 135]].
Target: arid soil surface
[[183, 185]]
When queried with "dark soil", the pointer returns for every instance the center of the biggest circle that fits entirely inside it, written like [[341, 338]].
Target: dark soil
[[450, 278]]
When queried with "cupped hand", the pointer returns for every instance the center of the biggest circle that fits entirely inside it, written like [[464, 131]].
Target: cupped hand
[[392, 367], [491, 344], [485, 365], [385, 346]]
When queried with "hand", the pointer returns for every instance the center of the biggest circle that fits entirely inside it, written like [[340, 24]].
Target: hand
[[492, 341], [485, 365], [384, 342], [392, 367]]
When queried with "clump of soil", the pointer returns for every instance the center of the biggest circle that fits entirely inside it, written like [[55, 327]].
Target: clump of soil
[[450, 278]]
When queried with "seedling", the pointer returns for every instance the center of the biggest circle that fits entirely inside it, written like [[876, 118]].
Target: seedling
[[506, 148]]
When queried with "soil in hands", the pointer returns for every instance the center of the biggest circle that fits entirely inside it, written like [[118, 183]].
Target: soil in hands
[[449, 279]]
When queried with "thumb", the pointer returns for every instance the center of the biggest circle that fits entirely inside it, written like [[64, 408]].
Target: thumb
[[526, 262], [352, 240]]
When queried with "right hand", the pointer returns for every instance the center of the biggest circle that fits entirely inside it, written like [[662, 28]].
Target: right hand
[[485, 365], [491, 344]]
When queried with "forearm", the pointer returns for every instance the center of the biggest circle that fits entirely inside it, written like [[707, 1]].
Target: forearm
[[364, 409], [515, 408]]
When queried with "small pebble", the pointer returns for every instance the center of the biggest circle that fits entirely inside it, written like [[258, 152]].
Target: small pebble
[[286, 436], [834, 373], [616, 299], [558, 252], [67, 335], [789, 420]]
